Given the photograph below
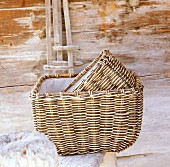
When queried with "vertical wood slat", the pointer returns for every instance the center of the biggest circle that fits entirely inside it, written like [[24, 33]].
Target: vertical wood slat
[[57, 26], [48, 31], [68, 34]]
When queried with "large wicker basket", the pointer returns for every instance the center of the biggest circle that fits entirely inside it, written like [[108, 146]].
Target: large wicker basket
[[90, 121]]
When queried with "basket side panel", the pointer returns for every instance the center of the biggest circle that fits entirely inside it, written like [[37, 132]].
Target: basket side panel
[[66, 117], [139, 108], [106, 121], [126, 75], [34, 114], [53, 125], [132, 121], [93, 119], [40, 116], [80, 124], [120, 124], [134, 115]]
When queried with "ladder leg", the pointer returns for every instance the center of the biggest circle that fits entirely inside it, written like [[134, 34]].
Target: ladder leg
[[57, 26], [68, 34], [48, 31]]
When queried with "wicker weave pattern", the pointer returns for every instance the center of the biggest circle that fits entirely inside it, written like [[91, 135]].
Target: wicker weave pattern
[[88, 122], [109, 74], [103, 113]]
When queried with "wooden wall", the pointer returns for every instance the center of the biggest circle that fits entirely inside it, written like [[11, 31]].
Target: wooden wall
[[139, 39]]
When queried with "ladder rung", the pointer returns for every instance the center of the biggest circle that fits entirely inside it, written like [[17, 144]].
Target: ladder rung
[[69, 47], [52, 67], [65, 63]]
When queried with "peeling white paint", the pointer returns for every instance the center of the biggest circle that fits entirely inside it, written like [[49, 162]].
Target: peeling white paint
[[25, 21]]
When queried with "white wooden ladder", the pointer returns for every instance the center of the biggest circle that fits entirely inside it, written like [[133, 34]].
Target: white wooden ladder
[[55, 46]]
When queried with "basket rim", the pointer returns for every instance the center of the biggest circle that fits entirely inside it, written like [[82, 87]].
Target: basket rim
[[116, 92], [45, 77]]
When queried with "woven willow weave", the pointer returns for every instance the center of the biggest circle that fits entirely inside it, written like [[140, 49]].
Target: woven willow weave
[[91, 121], [107, 74]]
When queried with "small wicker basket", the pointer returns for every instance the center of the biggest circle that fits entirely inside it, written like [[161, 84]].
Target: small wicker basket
[[106, 118], [104, 73]]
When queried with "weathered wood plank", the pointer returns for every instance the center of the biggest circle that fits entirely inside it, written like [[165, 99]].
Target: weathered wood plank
[[18, 26], [118, 29], [20, 3], [20, 71], [71, 47]]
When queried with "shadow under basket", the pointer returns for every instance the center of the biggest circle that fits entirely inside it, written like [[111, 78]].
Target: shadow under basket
[[87, 121]]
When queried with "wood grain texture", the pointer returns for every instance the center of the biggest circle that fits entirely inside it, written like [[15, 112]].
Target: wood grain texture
[[20, 3], [57, 24], [139, 40], [68, 34], [18, 26], [48, 31]]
